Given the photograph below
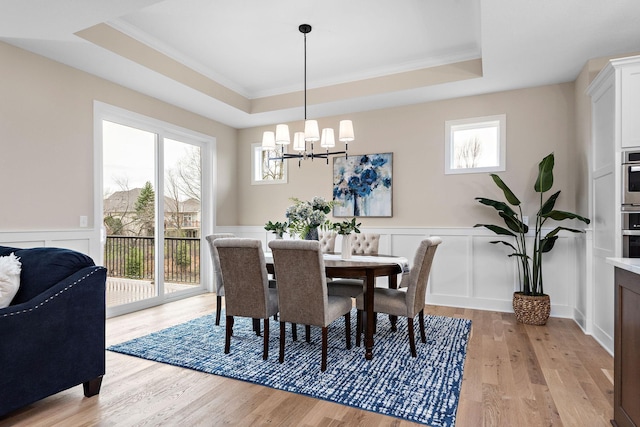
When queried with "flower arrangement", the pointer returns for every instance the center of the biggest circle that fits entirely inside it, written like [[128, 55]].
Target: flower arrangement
[[346, 227], [278, 228], [306, 216]]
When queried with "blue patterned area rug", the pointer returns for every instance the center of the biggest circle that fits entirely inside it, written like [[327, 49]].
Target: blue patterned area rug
[[423, 390]]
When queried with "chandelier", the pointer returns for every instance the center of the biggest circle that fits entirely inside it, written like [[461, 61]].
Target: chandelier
[[311, 133]]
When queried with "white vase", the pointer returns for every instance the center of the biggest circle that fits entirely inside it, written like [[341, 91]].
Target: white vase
[[345, 253]]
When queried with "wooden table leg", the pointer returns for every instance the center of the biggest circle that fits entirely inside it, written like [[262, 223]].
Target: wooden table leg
[[393, 284], [368, 308]]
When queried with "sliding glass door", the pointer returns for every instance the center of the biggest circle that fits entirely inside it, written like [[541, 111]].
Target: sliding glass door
[[152, 208]]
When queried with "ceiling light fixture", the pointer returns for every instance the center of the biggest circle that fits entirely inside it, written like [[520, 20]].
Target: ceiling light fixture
[[311, 134]]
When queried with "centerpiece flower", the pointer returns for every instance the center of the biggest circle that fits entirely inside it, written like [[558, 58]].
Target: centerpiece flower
[[305, 217], [346, 227], [278, 228]]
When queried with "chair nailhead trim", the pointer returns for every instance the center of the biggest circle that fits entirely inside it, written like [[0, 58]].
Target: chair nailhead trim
[[54, 295]]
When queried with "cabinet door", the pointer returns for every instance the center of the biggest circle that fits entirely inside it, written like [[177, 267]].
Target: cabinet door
[[630, 106], [626, 411]]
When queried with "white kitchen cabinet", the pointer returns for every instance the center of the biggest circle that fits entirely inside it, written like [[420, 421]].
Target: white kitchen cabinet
[[615, 109]]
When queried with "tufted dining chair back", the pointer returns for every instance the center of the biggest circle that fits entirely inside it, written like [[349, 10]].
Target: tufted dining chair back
[[327, 241], [217, 274], [365, 243]]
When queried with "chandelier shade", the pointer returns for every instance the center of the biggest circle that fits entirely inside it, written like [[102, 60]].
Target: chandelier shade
[[282, 135], [311, 133]]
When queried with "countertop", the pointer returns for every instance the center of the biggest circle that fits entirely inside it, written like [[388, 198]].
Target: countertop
[[629, 264]]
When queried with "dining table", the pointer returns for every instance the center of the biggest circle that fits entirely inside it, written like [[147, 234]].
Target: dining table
[[367, 268]]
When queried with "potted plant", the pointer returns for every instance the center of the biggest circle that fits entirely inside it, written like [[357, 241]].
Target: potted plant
[[345, 228], [305, 217], [530, 305], [278, 228]]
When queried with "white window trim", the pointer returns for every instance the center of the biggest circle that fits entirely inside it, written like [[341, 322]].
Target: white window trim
[[470, 123], [207, 144], [257, 162]]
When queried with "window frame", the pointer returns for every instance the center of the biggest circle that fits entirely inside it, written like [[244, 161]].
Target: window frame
[[451, 126], [256, 164]]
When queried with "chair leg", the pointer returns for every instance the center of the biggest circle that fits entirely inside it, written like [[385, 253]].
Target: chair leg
[[358, 327], [347, 328], [228, 333], [323, 366], [256, 326], [375, 323], [412, 339], [218, 309], [423, 336], [394, 323], [307, 330], [294, 331], [265, 350], [283, 329]]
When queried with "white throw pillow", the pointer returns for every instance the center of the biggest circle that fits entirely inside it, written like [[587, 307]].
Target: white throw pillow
[[9, 278]]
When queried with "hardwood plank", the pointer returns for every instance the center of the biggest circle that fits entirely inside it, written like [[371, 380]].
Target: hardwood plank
[[550, 375]]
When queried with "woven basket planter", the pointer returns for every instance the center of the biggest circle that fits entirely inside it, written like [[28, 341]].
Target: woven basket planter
[[531, 310]]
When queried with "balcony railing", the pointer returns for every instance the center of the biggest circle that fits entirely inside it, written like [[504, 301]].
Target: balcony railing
[[134, 258]]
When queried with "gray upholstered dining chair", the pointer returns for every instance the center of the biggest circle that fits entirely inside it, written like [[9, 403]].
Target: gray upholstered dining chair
[[406, 302], [327, 239], [247, 292], [216, 270], [361, 244], [365, 243], [302, 291]]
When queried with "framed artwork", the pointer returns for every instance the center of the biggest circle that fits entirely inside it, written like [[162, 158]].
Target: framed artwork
[[362, 185]]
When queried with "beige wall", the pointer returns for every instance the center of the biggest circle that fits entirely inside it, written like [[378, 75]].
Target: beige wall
[[539, 121], [46, 141]]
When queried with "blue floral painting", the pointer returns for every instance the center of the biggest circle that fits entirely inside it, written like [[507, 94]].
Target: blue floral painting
[[362, 185]]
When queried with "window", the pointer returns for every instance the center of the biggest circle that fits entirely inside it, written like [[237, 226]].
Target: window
[[475, 145], [154, 197], [264, 170]]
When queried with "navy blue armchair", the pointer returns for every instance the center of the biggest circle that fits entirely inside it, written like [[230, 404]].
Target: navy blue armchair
[[52, 336]]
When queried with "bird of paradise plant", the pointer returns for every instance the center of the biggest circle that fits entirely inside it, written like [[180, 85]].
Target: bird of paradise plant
[[530, 266]]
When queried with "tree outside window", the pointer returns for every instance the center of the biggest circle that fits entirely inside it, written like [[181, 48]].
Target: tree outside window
[[475, 145]]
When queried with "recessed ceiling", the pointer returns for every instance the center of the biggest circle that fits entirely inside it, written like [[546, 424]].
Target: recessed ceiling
[[241, 61]]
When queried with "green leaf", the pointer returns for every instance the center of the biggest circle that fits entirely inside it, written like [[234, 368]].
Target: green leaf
[[545, 174], [549, 204], [562, 215], [504, 243], [496, 229], [559, 229], [508, 194], [514, 224], [547, 243], [499, 206]]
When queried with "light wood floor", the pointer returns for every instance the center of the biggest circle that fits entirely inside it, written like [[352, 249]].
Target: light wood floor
[[514, 375]]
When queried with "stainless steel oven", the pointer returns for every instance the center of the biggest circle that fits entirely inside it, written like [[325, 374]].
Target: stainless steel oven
[[631, 233], [631, 180]]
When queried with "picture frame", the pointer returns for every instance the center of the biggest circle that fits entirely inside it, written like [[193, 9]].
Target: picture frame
[[363, 185]]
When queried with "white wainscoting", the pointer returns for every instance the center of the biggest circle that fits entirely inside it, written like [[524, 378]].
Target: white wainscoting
[[86, 241], [468, 271]]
